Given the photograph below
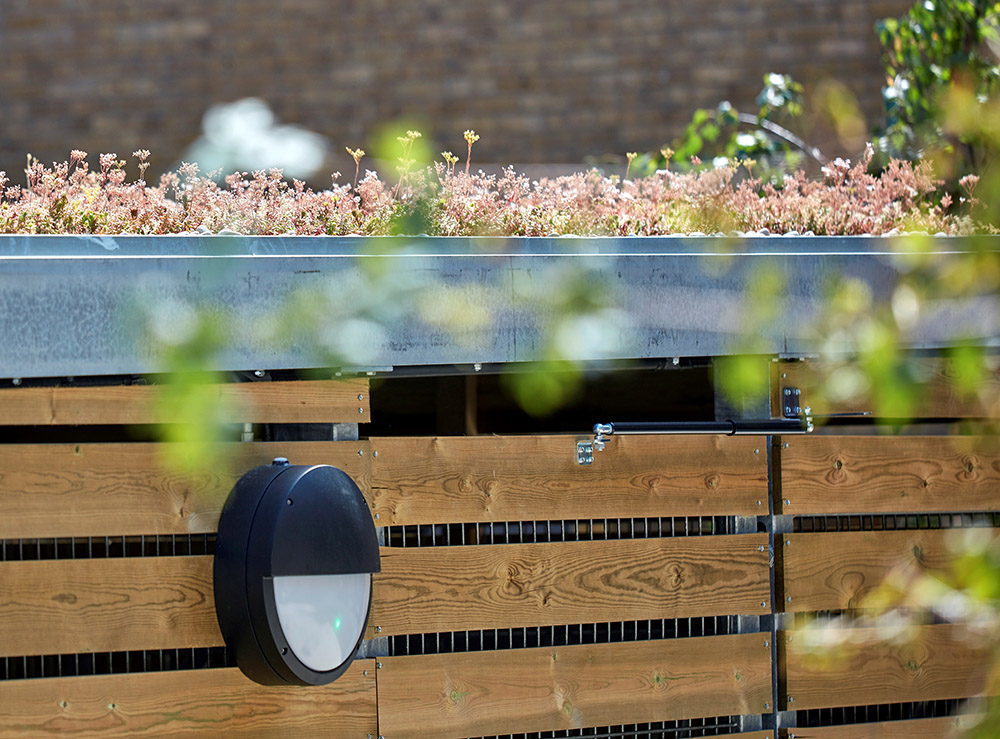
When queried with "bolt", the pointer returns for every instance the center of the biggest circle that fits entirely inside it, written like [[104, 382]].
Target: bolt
[[361, 397], [784, 375], [784, 445], [791, 699], [763, 604], [16, 381], [798, 410], [788, 542], [361, 452], [788, 599], [280, 462], [288, 502], [788, 410], [375, 453], [756, 451], [378, 629], [477, 367], [760, 549], [758, 504], [767, 706], [676, 361], [258, 373], [787, 501], [376, 517], [361, 410], [378, 665], [808, 411], [787, 391], [767, 644], [366, 675]]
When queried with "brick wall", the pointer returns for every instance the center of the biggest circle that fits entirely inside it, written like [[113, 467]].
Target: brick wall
[[540, 80]]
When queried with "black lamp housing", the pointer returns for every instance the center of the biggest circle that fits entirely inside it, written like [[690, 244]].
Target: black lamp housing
[[286, 520]]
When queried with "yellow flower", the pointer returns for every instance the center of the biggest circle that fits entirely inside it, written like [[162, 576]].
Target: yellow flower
[[471, 137]]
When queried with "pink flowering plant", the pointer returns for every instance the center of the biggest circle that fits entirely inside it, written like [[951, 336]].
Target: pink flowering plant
[[72, 198]]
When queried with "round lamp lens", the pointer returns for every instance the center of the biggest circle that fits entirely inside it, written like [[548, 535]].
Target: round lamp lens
[[322, 616]]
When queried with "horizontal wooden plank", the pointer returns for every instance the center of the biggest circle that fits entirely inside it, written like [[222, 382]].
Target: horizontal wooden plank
[[835, 571], [53, 490], [950, 727], [455, 588], [103, 605], [514, 478], [307, 401], [939, 389], [67, 606], [556, 688], [867, 666], [188, 703], [889, 474]]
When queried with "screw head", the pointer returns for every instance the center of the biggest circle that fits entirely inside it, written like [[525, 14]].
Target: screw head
[[766, 707], [787, 501], [784, 445], [361, 410], [258, 373], [788, 599], [365, 673], [760, 549], [376, 517], [378, 665], [758, 503], [763, 604], [791, 699], [375, 453], [361, 397], [784, 375], [361, 452], [16, 381], [756, 451], [787, 391], [378, 629]]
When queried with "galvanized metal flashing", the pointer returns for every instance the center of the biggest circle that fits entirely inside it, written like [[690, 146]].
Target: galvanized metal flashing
[[79, 305]]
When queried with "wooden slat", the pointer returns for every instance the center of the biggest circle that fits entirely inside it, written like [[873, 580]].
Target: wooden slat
[[950, 727], [889, 474], [188, 703], [938, 389], [835, 571], [861, 667], [104, 605], [491, 478], [52, 490], [454, 588], [309, 401], [483, 693]]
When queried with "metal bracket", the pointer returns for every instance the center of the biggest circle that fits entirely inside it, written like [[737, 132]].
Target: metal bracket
[[791, 406], [584, 452]]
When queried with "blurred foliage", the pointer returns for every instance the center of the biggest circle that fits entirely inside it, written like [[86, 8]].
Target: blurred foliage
[[938, 46], [724, 134]]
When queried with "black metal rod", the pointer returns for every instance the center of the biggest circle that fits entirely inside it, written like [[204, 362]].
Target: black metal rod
[[729, 427]]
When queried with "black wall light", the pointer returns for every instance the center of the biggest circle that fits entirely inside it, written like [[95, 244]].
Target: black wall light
[[294, 559]]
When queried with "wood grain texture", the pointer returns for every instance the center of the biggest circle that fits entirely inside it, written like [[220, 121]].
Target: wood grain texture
[[951, 727], [52, 490], [860, 667], [938, 387], [889, 474], [516, 478], [835, 571], [188, 703], [455, 588], [307, 401], [519, 690], [103, 605]]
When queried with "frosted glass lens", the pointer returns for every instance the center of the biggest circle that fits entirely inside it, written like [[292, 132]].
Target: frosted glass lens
[[322, 616]]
